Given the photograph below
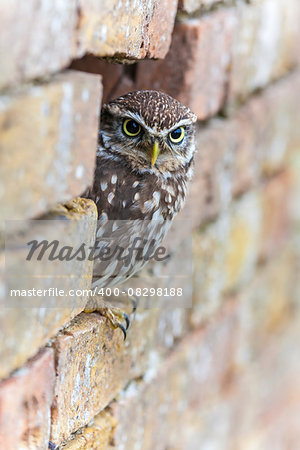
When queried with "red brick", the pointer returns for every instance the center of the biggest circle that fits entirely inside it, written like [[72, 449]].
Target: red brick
[[51, 149], [94, 363], [25, 402], [232, 384], [268, 303], [235, 154], [194, 375], [226, 252], [266, 45], [276, 214], [211, 188], [195, 71]]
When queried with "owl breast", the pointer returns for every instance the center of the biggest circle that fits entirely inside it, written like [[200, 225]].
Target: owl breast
[[122, 194], [133, 208]]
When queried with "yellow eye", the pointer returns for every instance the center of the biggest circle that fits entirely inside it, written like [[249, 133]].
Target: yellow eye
[[177, 135], [131, 127]]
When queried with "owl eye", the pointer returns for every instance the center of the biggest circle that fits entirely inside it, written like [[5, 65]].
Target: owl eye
[[131, 127], [177, 135]]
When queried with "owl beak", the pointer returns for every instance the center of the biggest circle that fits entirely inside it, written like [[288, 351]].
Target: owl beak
[[155, 152]]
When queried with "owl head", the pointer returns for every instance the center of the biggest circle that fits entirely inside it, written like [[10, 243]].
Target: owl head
[[149, 131]]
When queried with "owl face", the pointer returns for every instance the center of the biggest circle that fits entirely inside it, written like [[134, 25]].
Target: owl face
[[149, 131]]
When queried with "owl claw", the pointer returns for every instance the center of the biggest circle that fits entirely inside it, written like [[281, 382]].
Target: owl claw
[[114, 315], [123, 330], [127, 320]]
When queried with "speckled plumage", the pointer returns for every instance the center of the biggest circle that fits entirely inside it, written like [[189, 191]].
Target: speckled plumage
[[127, 187]]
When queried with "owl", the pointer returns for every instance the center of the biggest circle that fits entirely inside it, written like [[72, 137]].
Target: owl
[[144, 163]]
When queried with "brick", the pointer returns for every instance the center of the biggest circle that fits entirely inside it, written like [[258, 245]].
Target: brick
[[294, 198], [203, 47], [93, 363], [27, 323], [40, 41], [265, 45], [107, 29], [59, 130], [271, 386], [25, 402], [191, 6], [226, 252], [225, 255], [211, 375], [211, 188], [193, 375], [89, 367], [262, 134], [235, 154], [274, 125], [35, 39], [276, 214], [268, 303], [98, 435]]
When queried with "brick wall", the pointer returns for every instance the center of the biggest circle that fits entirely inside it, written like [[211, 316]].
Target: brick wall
[[223, 374]]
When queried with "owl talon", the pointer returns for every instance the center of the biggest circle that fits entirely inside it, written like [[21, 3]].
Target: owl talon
[[119, 325], [113, 314], [127, 320]]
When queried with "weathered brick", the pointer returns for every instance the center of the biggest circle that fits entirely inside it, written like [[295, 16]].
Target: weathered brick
[[269, 122], [233, 155], [225, 255], [98, 435], [211, 188], [51, 148], [35, 39], [267, 303], [213, 373], [25, 402], [148, 411], [27, 323], [202, 47], [266, 45], [89, 367], [227, 251], [131, 30], [94, 363], [38, 41], [276, 214]]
